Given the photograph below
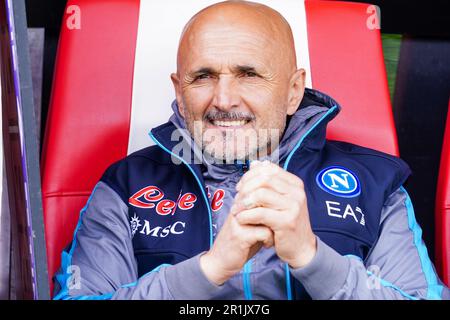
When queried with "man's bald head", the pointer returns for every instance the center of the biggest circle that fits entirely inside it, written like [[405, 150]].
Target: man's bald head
[[232, 16], [236, 75]]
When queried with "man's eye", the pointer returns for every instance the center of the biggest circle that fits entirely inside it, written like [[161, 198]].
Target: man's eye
[[250, 74], [203, 76]]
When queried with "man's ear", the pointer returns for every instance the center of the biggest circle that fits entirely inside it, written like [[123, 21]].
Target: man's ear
[[296, 90], [176, 86]]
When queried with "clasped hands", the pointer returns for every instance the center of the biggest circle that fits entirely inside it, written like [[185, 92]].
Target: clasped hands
[[270, 210]]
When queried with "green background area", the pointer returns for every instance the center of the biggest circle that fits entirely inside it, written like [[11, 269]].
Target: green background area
[[391, 51]]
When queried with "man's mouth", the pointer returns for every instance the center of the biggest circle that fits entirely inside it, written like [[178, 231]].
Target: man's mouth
[[230, 123]]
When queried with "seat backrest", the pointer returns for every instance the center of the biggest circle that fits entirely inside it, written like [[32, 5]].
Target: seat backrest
[[442, 225], [111, 86]]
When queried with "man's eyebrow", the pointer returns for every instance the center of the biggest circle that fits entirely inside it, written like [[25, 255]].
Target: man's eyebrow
[[244, 69], [202, 70]]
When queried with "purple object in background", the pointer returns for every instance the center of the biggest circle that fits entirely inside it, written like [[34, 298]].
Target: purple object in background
[[17, 90]]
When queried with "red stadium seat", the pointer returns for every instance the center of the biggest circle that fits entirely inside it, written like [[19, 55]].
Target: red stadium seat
[[92, 121], [443, 209]]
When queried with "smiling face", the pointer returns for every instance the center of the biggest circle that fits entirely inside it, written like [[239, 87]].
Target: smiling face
[[237, 80]]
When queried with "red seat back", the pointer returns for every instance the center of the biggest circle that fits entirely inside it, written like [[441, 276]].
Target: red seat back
[[443, 209]]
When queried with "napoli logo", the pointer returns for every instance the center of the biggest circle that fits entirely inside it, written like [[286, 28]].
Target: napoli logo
[[339, 181]]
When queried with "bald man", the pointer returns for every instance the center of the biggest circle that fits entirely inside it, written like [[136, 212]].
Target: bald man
[[242, 197]]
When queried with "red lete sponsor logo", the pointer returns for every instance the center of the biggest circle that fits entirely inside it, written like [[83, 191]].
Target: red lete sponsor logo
[[153, 197]]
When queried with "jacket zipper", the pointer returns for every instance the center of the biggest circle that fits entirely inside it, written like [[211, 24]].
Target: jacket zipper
[[285, 167], [246, 284]]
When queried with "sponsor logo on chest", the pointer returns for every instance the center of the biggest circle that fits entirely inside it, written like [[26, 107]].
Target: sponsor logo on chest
[[146, 228], [153, 197], [341, 182]]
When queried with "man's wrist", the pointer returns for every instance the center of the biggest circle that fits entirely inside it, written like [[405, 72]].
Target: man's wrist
[[184, 276], [305, 255], [211, 269], [325, 274]]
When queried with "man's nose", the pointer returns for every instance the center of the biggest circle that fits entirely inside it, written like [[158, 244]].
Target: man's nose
[[226, 94]]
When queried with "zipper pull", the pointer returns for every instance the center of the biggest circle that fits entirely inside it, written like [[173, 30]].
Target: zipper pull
[[243, 166]]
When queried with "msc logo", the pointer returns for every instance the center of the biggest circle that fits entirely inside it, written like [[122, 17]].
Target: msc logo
[[339, 181], [175, 228]]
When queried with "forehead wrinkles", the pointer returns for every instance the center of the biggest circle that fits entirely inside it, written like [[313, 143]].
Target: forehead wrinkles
[[231, 36], [223, 44], [227, 45]]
